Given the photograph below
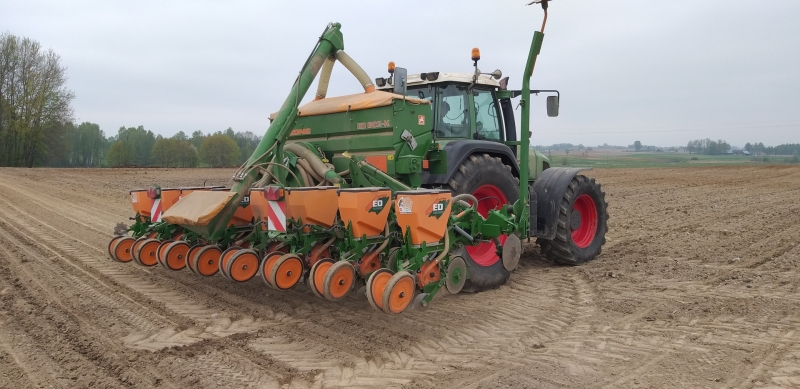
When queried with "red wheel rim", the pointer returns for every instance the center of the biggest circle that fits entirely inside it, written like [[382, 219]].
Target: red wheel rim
[[584, 234], [489, 197]]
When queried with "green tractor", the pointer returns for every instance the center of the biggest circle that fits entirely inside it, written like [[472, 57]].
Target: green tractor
[[416, 185]]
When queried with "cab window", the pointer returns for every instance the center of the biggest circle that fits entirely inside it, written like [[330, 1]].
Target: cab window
[[487, 123], [452, 112]]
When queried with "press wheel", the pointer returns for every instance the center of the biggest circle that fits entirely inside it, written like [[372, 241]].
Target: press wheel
[[376, 284], [122, 249], [265, 270], [225, 258], [321, 267], [286, 272], [110, 247], [399, 293], [242, 266], [135, 249], [190, 257], [146, 252], [338, 280], [160, 252], [318, 252], [206, 260], [174, 256], [370, 262]]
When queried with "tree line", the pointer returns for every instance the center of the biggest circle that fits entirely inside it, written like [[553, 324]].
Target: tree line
[[708, 146], [135, 146], [782, 149], [37, 129]]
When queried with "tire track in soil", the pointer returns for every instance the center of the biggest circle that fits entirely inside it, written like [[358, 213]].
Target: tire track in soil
[[213, 323], [49, 317], [206, 365]]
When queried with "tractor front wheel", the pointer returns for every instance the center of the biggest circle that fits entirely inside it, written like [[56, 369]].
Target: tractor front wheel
[[493, 185], [581, 226]]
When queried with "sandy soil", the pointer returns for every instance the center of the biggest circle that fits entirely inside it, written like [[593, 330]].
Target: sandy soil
[[696, 287]]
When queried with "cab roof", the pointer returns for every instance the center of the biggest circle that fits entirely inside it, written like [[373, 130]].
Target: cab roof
[[416, 79]]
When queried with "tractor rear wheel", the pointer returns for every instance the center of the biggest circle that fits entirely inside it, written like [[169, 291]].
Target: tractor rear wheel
[[492, 183], [582, 224]]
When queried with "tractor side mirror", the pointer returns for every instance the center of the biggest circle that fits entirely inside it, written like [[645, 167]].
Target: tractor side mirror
[[552, 106], [400, 77]]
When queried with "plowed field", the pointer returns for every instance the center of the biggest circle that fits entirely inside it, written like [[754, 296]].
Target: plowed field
[[696, 287]]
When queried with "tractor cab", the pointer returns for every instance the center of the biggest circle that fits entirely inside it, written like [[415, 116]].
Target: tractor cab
[[471, 112], [462, 109]]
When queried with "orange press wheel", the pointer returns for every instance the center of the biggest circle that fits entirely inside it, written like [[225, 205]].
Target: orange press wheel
[[146, 252], [274, 246], [111, 246], [369, 263], [265, 270], [375, 286], [312, 279], [160, 252], [190, 257], [338, 280], [121, 249], [286, 271], [242, 266], [399, 293], [206, 260], [317, 253], [225, 258], [135, 249], [318, 273], [174, 256]]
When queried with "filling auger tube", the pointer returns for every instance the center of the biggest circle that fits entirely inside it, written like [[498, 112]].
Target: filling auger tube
[[325, 78], [357, 71]]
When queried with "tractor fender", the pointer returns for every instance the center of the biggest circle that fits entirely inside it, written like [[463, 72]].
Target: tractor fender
[[549, 188], [459, 150]]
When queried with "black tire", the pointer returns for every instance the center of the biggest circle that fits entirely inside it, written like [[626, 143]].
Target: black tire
[[478, 170], [563, 249]]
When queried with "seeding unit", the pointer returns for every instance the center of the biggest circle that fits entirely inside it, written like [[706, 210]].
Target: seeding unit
[[372, 194]]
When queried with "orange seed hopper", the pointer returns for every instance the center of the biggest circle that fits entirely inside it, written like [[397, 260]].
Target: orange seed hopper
[[313, 205], [425, 213], [367, 209]]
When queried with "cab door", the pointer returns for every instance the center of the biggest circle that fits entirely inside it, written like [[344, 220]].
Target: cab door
[[486, 114]]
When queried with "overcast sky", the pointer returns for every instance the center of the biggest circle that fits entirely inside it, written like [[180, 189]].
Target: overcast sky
[[662, 72]]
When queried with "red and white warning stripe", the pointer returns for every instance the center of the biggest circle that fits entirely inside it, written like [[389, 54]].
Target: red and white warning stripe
[[155, 211], [276, 216]]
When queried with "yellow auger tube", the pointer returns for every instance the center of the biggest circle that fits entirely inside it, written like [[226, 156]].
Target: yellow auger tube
[[357, 71], [325, 78]]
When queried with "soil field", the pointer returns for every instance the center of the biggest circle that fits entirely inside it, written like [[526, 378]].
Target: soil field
[[696, 287]]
